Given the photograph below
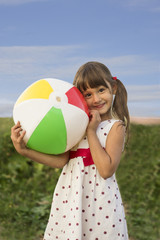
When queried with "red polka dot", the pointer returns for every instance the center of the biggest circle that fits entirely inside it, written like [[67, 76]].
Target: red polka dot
[[113, 225], [109, 201], [98, 223], [107, 216], [100, 208], [90, 229], [105, 232], [102, 193]]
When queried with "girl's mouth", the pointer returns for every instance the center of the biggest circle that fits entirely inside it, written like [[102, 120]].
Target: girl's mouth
[[99, 106]]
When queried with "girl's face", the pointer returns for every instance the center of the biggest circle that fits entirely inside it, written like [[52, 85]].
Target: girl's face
[[100, 99]]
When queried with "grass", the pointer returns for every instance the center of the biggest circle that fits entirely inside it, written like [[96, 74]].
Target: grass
[[27, 187]]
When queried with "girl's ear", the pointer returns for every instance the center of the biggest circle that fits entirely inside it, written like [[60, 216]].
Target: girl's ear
[[114, 88]]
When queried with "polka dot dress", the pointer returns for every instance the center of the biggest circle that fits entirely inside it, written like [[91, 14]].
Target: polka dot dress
[[85, 206]]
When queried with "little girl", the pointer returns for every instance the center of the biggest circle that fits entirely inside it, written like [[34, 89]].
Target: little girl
[[87, 203]]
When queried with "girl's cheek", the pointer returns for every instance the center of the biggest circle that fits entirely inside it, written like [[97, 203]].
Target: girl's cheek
[[88, 103]]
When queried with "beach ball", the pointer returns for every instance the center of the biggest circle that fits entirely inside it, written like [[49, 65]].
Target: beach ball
[[53, 113]]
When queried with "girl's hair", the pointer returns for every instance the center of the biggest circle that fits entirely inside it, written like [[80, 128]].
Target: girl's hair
[[94, 74]]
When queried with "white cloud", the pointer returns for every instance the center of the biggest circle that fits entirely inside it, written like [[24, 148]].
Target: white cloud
[[132, 65], [6, 108], [63, 61], [21, 65], [19, 2], [155, 9], [143, 93], [33, 62], [144, 5]]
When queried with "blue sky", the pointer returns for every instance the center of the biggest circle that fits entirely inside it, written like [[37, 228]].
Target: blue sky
[[53, 38]]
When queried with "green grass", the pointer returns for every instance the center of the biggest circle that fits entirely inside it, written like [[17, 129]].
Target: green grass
[[26, 187], [139, 179]]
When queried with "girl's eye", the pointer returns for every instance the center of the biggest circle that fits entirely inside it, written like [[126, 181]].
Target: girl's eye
[[101, 89], [87, 95]]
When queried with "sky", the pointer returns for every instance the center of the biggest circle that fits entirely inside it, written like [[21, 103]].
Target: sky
[[53, 38]]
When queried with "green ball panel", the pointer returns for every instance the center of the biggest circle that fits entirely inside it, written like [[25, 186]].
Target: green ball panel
[[50, 135]]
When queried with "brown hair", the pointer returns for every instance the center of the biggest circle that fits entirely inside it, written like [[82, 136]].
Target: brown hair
[[94, 74]]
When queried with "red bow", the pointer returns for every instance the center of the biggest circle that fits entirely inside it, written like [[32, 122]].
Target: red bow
[[85, 154], [114, 78]]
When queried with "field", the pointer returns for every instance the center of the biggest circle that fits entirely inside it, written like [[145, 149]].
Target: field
[[26, 187]]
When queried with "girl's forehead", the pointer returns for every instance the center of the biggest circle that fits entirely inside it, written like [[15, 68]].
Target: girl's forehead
[[94, 84]]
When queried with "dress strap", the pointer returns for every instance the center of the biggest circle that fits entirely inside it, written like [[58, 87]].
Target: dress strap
[[85, 154]]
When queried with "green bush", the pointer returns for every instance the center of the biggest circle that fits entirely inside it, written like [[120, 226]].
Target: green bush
[[26, 193], [139, 179]]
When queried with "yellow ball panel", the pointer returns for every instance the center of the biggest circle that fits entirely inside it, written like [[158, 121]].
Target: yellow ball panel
[[39, 89]]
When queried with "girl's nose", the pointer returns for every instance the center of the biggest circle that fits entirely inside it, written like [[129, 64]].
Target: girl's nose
[[96, 98]]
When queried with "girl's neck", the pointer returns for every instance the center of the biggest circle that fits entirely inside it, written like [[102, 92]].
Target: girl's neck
[[106, 116]]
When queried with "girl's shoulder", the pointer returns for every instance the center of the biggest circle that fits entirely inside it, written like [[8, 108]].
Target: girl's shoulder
[[104, 129], [107, 124]]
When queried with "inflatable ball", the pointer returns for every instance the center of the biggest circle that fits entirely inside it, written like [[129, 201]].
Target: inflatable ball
[[53, 113]]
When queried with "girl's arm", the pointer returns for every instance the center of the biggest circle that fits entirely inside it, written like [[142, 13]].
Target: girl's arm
[[106, 160], [55, 161]]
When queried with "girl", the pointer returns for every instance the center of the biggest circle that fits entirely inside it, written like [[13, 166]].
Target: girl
[[87, 204]]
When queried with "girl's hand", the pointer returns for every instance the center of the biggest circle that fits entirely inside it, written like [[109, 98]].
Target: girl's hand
[[55, 161], [17, 135], [95, 120]]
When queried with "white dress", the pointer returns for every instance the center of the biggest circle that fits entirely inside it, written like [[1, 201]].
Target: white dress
[[85, 206]]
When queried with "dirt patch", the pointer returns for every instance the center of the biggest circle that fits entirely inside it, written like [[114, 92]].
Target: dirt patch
[[145, 120]]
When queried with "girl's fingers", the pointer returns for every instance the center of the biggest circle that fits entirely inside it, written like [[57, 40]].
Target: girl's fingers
[[16, 126], [20, 137]]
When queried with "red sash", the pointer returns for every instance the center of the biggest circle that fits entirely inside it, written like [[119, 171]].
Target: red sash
[[85, 154]]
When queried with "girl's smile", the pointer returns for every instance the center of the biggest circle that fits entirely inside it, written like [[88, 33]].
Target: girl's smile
[[100, 99]]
